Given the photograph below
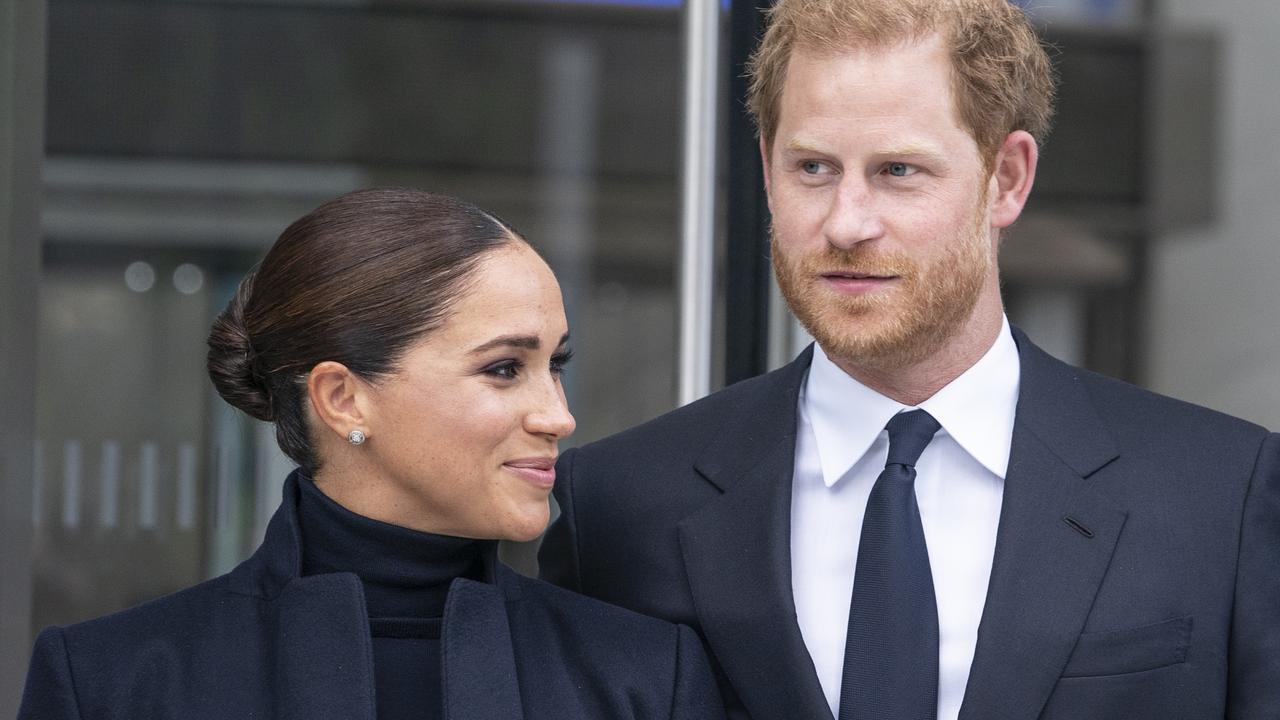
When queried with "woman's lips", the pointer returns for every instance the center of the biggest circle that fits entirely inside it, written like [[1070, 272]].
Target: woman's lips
[[540, 471], [857, 283]]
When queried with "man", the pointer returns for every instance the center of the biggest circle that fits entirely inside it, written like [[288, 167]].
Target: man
[[924, 515]]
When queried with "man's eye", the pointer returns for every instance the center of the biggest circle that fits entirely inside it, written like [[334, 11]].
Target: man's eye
[[811, 167], [899, 169]]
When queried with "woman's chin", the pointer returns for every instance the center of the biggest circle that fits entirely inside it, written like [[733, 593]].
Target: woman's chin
[[528, 526]]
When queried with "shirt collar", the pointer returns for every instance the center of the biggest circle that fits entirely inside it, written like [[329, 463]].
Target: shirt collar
[[976, 409]]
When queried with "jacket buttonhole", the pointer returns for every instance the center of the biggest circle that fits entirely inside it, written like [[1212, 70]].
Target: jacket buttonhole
[[1076, 525]]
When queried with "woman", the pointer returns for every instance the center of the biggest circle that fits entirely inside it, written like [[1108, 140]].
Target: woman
[[408, 348]]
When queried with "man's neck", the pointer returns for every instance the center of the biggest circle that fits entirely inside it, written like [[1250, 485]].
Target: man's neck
[[913, 384]]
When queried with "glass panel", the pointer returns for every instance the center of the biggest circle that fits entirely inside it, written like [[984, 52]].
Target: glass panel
[[183, 137], [120, 417]]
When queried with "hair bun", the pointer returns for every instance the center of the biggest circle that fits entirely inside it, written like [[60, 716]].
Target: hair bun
[[231, 358]]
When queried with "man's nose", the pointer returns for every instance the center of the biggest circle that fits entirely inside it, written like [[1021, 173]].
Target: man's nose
[[854, 215]]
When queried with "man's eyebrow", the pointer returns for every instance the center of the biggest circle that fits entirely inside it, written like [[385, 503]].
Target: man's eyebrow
[[920, 151], [526, 342], [800, 146], [910, 150]]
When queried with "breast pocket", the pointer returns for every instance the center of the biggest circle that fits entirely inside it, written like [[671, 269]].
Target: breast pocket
[[1116, 652]]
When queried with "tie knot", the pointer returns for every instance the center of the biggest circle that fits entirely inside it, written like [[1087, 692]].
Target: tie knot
[[909, 433]]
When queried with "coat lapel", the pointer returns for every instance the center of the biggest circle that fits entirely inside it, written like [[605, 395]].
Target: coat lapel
[[737, 553], [478, 663], [1055, 541], [324, 652]]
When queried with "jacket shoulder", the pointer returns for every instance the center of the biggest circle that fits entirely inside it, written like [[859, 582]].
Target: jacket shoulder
[[1135, 411], [1128, 410]]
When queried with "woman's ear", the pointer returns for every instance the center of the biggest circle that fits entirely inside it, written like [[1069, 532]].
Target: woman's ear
[[1012, 176], [339, 398]]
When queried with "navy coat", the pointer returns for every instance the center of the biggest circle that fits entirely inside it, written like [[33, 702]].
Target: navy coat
[[1136, 572], [263, 642]]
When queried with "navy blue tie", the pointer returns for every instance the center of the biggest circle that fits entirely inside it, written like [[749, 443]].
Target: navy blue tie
[[891, 655]]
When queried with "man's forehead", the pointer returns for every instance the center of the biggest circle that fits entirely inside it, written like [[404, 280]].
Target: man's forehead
[[909, 148], [829, 48], [821, 83]]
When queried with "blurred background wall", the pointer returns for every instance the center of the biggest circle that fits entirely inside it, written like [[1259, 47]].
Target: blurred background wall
[[22, 83], [180, 136], [1214, 329]]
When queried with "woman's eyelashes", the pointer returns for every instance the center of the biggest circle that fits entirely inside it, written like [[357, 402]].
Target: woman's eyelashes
[[504, 369], [560, 360]]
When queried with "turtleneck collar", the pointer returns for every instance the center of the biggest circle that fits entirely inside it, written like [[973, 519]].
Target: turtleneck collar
[[405, 573]]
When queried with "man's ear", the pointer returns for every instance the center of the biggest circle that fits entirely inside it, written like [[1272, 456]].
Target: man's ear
[[339, 398], [1012, 175], [765, 165]]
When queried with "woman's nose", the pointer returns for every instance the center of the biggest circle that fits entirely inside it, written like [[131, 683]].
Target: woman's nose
[[552, 417]]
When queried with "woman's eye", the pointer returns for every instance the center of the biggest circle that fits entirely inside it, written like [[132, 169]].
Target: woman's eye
[[507, 370], [899, 169], [559, 360]]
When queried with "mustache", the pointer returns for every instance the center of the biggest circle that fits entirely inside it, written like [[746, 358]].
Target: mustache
[[857, 260]]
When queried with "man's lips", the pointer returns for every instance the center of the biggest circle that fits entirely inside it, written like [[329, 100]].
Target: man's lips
[[857, 283], [858, 276], [540, 471]]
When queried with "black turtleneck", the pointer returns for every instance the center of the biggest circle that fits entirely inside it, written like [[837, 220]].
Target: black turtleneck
[[406, 576]]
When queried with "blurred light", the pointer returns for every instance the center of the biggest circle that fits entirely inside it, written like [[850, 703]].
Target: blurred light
[[71, 484], [140, 276], [109, 485], [188, 279], [187, 469], [148, 486]]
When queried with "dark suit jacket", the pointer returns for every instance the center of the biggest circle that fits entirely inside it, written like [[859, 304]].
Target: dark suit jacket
[[1136, 571], [262, 642]]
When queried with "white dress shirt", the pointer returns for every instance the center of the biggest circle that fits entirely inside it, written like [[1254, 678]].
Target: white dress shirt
[[841, 447]]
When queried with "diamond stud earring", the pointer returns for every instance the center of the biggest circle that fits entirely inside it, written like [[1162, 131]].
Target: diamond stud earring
[[356, 437]]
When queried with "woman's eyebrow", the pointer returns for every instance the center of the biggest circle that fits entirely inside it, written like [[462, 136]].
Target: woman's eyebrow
[[522, 341], [527, 342]]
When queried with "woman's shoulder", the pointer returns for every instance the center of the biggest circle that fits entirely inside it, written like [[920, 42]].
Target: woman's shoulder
[[107, 665], [189, 613]]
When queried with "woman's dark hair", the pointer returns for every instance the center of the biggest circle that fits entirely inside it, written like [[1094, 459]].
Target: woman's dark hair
[[357, 281]]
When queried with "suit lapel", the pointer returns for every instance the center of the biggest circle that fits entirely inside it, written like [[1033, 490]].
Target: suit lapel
[[737, 553], [325, 654], [478, 662], [1055, 541]]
